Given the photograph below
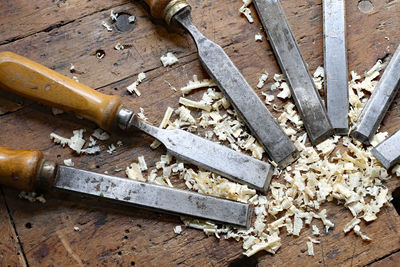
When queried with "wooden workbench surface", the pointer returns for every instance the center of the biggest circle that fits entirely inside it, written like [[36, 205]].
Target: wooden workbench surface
[[60, 32]]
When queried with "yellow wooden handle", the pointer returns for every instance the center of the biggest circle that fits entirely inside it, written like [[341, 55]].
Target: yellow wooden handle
[[18, 168], [32, 80]]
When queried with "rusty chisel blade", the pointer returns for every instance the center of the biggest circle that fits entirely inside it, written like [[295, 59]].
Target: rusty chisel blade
[[335, 64], [246, 102], [211, 156], [388, 152], [379, 102], [151, 196], [305, 95]]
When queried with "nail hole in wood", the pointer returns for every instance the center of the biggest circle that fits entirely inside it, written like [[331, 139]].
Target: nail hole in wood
[[244, 261], [100, 53], [28, 225], [123, 23], [365, 6], [396, 199]]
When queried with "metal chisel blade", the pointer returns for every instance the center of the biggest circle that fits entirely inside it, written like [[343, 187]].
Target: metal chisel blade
[[388, 152], [305, 95], [335, 63], [379, 102], [151, 196], [243, 98], [212, 156]]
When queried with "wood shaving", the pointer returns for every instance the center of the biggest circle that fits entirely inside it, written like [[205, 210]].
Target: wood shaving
[[262, 80], [111, 148], [194, 104], [357, 231], [169, 59], [142, 163], [133, 87], [113, 15], [320, 175], [141, 115], [105, 25], [68, 162], [100, 135], [76, 142], [119, 46], [178, 229], [57, 111], [32, 197], [246, 11], [131, 19], [310, 248], [268, 98], [285, 93], [133, 172], [196, 84]]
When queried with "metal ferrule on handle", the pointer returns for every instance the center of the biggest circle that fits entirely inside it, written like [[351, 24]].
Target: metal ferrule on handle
[[173, 8]]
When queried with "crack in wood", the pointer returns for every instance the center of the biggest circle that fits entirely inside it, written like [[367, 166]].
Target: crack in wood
[[14, 228], [382, 258]]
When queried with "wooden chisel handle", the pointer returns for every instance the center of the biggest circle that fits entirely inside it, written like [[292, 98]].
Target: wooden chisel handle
[[165, 9], [32, 80], [19, 168]]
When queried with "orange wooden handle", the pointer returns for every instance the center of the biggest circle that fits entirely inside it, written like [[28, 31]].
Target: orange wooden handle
[[157, 7], [18, 168], [30, 79]]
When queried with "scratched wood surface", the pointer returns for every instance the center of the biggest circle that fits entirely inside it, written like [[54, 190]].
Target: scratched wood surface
[[60, 32]]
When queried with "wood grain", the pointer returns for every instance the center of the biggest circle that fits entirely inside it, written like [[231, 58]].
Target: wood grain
[[115, 235], [10, 251], [23, 18]]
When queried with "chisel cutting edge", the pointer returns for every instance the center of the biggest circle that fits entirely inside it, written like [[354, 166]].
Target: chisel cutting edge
[[388, 152], [232, 83], [379, 102], [30, 79], [305, 95], [27, 170]]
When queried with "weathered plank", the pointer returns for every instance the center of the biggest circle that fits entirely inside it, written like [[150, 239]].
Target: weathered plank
[[392, 260], [10, 250], [150, 240], [23, 18]]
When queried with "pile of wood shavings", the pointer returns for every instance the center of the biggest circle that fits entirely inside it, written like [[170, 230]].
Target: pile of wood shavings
[[322, 174]]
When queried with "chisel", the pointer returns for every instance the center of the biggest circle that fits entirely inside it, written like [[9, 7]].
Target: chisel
[[27, 170], [388, 152], [305, 95], [30, 79], [335, 65], [231, 82], [379, 102]]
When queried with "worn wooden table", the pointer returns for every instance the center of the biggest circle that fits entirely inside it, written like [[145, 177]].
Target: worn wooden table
[[60, 32]]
